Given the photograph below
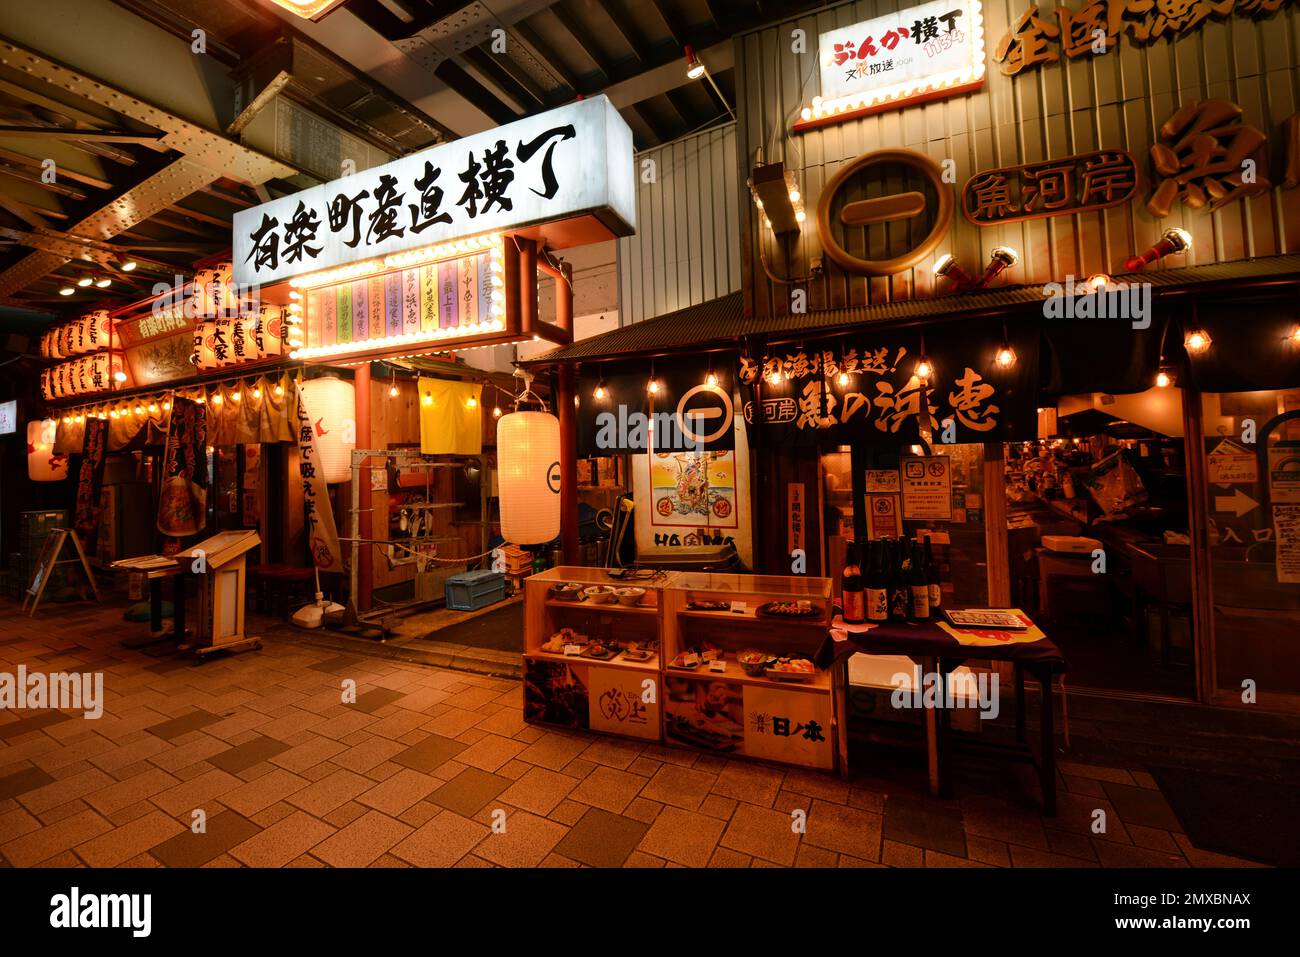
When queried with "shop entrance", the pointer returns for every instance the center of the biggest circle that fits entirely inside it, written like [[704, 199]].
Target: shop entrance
[[1098, 540]]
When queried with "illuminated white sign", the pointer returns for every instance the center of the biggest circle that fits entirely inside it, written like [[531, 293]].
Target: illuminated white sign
[[936, 49], [570, 161], [9, 417]]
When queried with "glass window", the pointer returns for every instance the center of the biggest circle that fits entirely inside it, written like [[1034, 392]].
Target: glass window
[[1252, 449]]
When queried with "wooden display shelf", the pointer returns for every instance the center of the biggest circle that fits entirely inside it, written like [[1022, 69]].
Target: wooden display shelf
[[650, 666], [751, 615], [602, 608], [820, 683]]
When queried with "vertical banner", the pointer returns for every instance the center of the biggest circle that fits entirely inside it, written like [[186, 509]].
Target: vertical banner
[[322, 537], [91, 480], [343, 312], [393, 303], [467, 280], [361, 310], [410, 301], [329, 317], [484, 289], [428, 298], [375, 299], [183, 501], [447, 295], [796, 508]]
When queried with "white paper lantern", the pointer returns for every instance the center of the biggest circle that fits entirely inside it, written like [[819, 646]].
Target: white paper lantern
[[332, 409], [528, 457], [42, 464]]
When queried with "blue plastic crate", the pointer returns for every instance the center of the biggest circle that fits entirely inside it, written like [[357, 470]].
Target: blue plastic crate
[[470, 591]]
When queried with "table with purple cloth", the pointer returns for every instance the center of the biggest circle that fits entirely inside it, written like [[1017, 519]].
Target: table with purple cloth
[[940, 653]]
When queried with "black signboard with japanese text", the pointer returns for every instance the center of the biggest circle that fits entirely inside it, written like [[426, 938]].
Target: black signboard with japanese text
[[864, 387]]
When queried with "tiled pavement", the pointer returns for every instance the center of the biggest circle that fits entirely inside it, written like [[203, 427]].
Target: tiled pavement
[[417, 771]]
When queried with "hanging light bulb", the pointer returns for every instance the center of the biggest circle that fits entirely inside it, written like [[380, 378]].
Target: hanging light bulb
[[496, 412], [216, 398], [236, 396], [119, 376], [279, 390], [167, 406], [257, 392], [1006, 357], [139, 410], [653, 387], [600, 391], [924, 369], [1162, 379], [153, 406], [427, 398], [392, 391], [711, 379], [842, 379], [472, 403], [1197, 342]]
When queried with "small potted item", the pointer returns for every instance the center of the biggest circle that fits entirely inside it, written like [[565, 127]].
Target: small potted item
[[754, 662], [599, 594], [629, 597]]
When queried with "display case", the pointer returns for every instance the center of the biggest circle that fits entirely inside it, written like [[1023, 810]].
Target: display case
[[739, 676], [671, 663], [592, 659]]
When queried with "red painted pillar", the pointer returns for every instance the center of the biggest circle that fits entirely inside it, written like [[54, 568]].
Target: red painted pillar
[[363, 524]]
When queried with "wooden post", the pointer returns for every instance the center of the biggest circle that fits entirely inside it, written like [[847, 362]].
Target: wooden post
[[1198, 531], [995, 526], [527, 287], [361, 601]]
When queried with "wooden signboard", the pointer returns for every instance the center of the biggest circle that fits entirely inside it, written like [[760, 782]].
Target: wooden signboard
[[49, 559], [221, 590]]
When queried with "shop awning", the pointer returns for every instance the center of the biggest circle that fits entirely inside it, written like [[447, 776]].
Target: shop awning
[[721, 322]]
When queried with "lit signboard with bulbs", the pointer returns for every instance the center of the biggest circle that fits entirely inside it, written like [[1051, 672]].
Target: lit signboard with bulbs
[[574, 162], [922, 53]]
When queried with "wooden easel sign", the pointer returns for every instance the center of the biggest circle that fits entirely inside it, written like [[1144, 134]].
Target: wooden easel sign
[[49, 559]]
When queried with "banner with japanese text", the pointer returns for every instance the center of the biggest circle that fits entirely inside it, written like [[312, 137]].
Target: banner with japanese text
[[322, 537], [873, 388]]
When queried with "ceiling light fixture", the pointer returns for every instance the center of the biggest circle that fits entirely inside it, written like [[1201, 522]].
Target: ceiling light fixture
[[694, 68]]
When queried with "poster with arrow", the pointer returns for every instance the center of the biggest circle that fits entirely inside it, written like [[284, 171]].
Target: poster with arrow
[[1235, 492]]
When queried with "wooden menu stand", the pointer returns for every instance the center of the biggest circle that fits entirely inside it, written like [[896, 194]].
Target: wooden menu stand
[[220, 625], [49, 559]]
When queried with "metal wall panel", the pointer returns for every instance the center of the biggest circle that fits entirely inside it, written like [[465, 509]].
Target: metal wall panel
[[1117, 100], [684, 251]]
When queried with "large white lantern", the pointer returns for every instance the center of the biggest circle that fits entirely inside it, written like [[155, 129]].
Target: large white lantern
[[43, 465], [332, 408], [528, 477]]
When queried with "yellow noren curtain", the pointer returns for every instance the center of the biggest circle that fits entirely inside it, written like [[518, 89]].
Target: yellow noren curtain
[[451, 417]]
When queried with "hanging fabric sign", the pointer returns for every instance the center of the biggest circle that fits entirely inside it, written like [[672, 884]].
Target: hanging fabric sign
[[183, 500], [870, 388], [91, 480], [451, 417], [322, 537]]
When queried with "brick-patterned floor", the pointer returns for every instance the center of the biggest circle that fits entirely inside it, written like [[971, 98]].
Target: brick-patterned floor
[[413, 773]]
